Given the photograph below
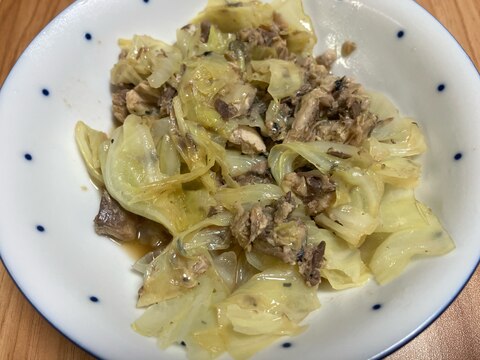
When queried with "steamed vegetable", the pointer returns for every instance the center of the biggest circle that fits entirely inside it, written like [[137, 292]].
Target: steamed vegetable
[[284, 78], [272, 302], [132, 176], [89, 142], [146, 57], [398, 248]]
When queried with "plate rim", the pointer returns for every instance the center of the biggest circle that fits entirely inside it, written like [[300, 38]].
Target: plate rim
[[381, 355]]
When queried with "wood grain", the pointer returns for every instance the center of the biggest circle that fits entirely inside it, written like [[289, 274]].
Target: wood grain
[[24, 334]]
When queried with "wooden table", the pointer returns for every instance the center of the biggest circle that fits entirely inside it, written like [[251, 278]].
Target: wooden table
[[24, 334]]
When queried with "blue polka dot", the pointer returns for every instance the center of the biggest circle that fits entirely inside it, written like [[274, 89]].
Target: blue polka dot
[[400, 34], [458, 156], [146, 1], [40, 228], [28, 157], [287, 345], [88, 36], [441, 87], [94, 299], [377, 307], [45, 92]]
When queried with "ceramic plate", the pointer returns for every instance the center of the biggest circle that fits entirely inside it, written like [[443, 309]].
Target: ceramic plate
[[83, 284]]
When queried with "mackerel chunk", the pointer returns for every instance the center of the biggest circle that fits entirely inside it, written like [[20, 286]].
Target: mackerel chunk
[[114, 221], [274, 231]]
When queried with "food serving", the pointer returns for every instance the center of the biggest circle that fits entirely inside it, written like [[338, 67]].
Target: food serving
[[252, 173]]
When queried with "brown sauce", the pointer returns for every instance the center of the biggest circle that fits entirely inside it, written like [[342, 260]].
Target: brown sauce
[[149, 233], [136, 250]]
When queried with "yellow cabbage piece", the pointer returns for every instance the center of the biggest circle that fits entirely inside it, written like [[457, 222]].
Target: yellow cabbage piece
[[252, 14], [231, 19], [247, 195], [190, 45], [205, 234], [90, 143], [203, 80], [395, 136], [399, 210], [398, 171], [239, 164], [275, 296], [283, 157], [146, 58], [400, 137], [343, 266], [284, 77], [178, 319], [169, 161], [171, 274], [300, 38], [396, 251], [358, 189], [383, 107], [132, 176], [406, 228]]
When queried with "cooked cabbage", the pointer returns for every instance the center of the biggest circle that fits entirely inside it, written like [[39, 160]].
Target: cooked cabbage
[[148, 58], [284, 78], [255, 228], [272, 302], [397, 249], [359, 190], [89, 143]]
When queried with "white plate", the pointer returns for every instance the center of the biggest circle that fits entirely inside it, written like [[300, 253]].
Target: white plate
[[63, 77]]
